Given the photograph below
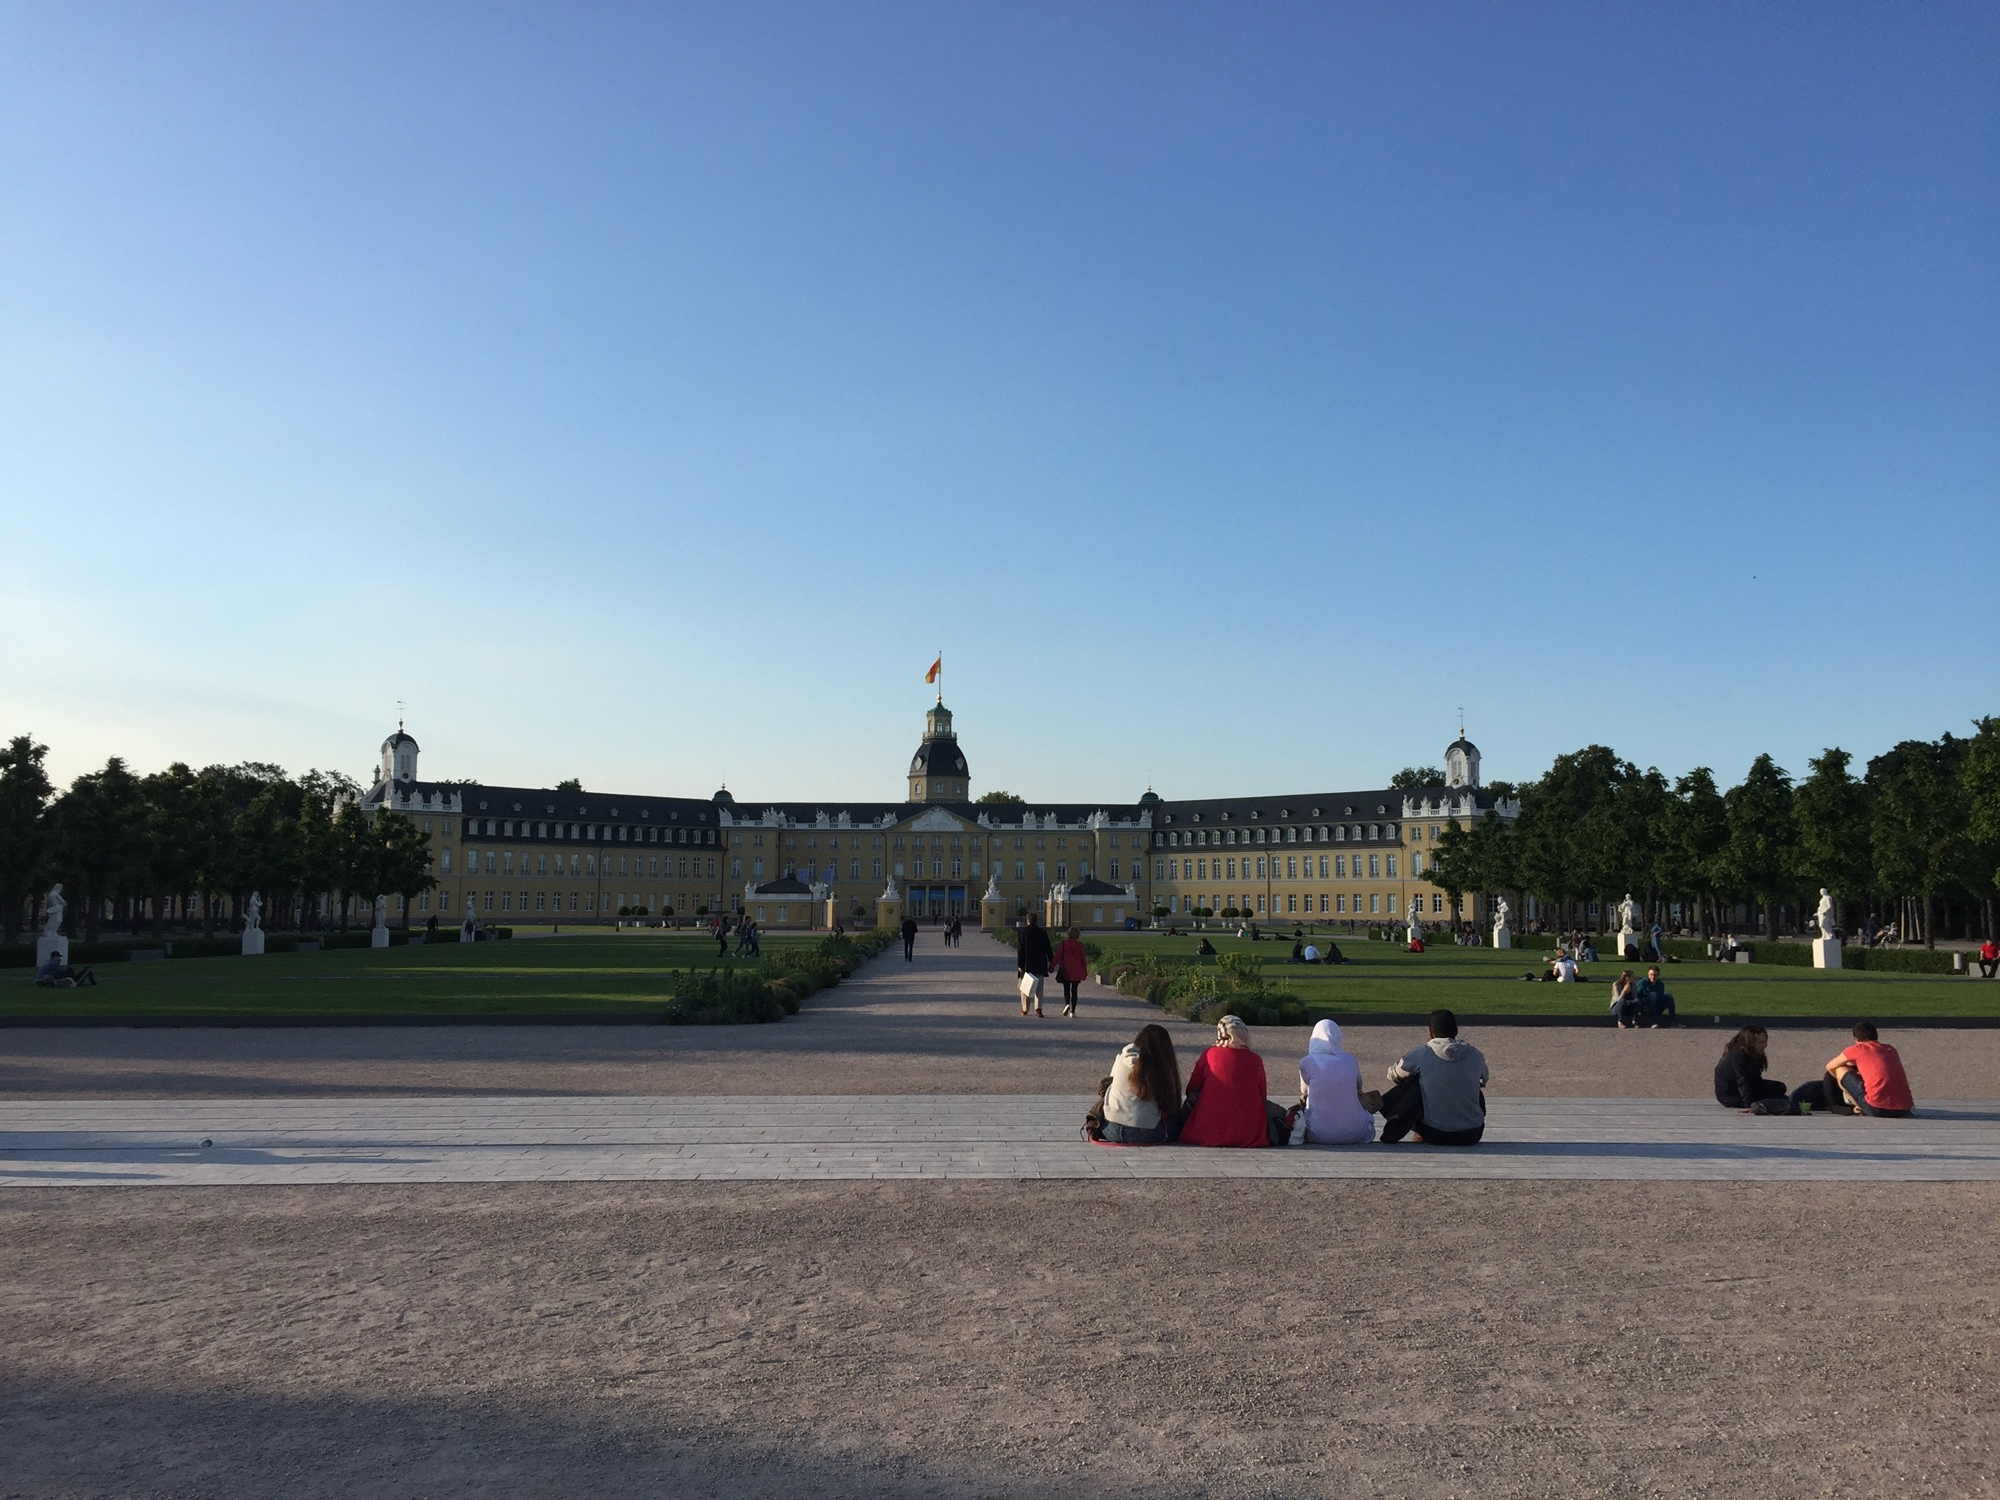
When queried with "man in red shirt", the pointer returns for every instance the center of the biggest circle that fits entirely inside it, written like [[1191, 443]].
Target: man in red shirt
[[1865, 1079], [1989, 958]]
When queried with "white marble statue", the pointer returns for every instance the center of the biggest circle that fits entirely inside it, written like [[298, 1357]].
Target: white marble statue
[[253, 913], [1416, 918], [1826, 916], [381, 911], [471, 914], [821, 890], [55, 907], [889, 891], [993, 887], [1500, 912], [1628, 914]]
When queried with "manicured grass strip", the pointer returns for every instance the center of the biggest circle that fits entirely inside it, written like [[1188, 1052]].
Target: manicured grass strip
[[601, 972], [1387, 978]]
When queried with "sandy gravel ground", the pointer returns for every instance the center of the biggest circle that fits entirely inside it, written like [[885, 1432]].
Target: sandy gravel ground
[[979, 1047], [1001, 1340]]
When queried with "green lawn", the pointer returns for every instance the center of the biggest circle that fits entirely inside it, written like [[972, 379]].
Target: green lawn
[[1385, 977], [604, 971]]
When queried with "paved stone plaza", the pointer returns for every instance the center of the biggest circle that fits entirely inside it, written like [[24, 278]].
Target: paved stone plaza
[[951, 1004]]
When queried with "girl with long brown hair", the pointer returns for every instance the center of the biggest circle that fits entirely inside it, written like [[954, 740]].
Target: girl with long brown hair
[[1142, 1105]]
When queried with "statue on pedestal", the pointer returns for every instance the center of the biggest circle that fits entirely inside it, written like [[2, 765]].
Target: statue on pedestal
[[992, 886], [1827, 917], [253, 913], [55, 907], [1416, 919], [1628, 914]]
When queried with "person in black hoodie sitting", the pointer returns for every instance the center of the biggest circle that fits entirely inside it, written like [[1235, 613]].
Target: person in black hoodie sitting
[[1739, 1076]]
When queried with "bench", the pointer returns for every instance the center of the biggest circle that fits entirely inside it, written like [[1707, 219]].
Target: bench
[[147, 955]]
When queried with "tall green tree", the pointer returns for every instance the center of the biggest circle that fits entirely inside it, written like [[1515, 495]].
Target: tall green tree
[[403, 859], [1918, 826], [1694, 827], [1980, 774], [173, 832], [100, 841], [24, 828], [1831, 810], [1758, 858], [1413, 778], [998, 798]]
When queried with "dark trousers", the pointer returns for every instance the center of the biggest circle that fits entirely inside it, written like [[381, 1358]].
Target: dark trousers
[[910, 948], [1069, 992], [1627, 1013], [1827, 1093], [1663, 1009], [1987, 966], [1403, 1112]]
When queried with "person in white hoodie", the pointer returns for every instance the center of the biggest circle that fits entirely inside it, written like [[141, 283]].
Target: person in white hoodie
[[1330, 1091], [1438, 1090]]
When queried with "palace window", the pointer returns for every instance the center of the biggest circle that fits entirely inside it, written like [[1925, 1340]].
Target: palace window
[[1392, 867], [1374, 866]]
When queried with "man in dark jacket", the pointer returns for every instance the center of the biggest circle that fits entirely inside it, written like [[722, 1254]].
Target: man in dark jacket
[[909, 940], [1033, 960]]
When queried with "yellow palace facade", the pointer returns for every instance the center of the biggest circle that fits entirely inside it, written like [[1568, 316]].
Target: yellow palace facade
[[536, 854]]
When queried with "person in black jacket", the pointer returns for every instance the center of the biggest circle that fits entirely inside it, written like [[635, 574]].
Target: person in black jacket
[[1033, 960], [909, 940], [1739, 1076]]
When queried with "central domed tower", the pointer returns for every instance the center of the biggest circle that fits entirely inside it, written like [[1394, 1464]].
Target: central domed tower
[[937, 770]]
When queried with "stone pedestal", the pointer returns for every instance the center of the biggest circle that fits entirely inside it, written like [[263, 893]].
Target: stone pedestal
[[1826, 953], [1503, 937], [1628, 940], [829, 913], [889, 912], [45, 945], [378, 937], [253, 942], [994, 913]]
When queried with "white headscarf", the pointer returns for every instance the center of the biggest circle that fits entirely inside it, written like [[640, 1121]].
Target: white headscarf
[[1325, 1037]]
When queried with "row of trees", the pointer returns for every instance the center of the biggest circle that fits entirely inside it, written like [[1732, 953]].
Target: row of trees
[[1920, 829], [132, 844]]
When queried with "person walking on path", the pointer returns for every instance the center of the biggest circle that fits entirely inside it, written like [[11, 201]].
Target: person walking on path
[[1072, 964], [1032, 962], [909, 940]]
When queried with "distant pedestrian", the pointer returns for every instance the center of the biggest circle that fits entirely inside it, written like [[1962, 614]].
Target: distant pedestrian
[[1072, 964], [1032, 963], [909, 940]]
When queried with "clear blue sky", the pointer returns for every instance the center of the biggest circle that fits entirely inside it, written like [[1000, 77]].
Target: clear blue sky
[[646, 393]]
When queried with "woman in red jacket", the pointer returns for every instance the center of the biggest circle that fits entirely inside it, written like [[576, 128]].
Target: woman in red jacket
[[1227, 1092], [1072, 964]]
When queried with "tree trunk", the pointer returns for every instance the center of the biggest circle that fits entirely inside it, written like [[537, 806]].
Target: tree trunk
[[1930, 919]]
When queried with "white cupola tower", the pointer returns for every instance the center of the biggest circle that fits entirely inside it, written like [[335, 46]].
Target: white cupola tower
[[1461, 762], [399, 757]]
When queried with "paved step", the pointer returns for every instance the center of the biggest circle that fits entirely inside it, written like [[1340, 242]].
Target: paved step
[[293, 1141]]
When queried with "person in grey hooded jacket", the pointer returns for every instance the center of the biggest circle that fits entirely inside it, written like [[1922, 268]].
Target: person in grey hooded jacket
[[1437, 1090]]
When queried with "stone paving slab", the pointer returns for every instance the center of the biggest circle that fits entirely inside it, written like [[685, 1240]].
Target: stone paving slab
[[145, 1142]]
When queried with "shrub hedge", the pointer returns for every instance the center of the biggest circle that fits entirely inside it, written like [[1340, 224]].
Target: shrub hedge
[[773, 989], [118, 950]]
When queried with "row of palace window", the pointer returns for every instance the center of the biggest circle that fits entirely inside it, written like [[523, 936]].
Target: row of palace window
[[502, 862], [1331, 867], [940, 869], [596, 833], [1296, 905], [579, 901], [938, 842], [1342, 832]]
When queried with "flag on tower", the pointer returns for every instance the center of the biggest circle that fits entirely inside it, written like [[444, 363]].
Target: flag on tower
[[936, 667]]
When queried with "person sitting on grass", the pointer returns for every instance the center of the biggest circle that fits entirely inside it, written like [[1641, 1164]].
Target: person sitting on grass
[[1142, 1104], [1625, 1002], [1656, 1000], [1204, 948], [1739, 1076], [1864, 1079], [1989, 959], [1226, 1092], [1437, 1090], [56, 974], [1586, 951], [1298, 952], [1337, 1112], [1562, 968], [1331, 954], [1312, 953]]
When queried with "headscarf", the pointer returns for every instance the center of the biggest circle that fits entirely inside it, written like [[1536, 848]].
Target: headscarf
[[1325, 1038], [1231, 1032]]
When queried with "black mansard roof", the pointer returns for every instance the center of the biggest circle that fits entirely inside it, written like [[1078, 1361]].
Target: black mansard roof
[[1300, 807]]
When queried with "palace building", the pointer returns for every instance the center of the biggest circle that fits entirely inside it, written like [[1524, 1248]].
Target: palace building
[[534, 854]]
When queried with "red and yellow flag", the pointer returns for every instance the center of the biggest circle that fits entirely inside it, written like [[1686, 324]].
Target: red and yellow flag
[[936, 667]]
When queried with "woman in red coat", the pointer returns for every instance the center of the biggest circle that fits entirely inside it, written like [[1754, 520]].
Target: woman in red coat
[[1072, 965], [1227, 1087]]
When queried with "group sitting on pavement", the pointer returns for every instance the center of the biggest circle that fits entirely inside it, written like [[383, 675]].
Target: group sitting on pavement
[[1436, 1094], [1866, 1078]]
